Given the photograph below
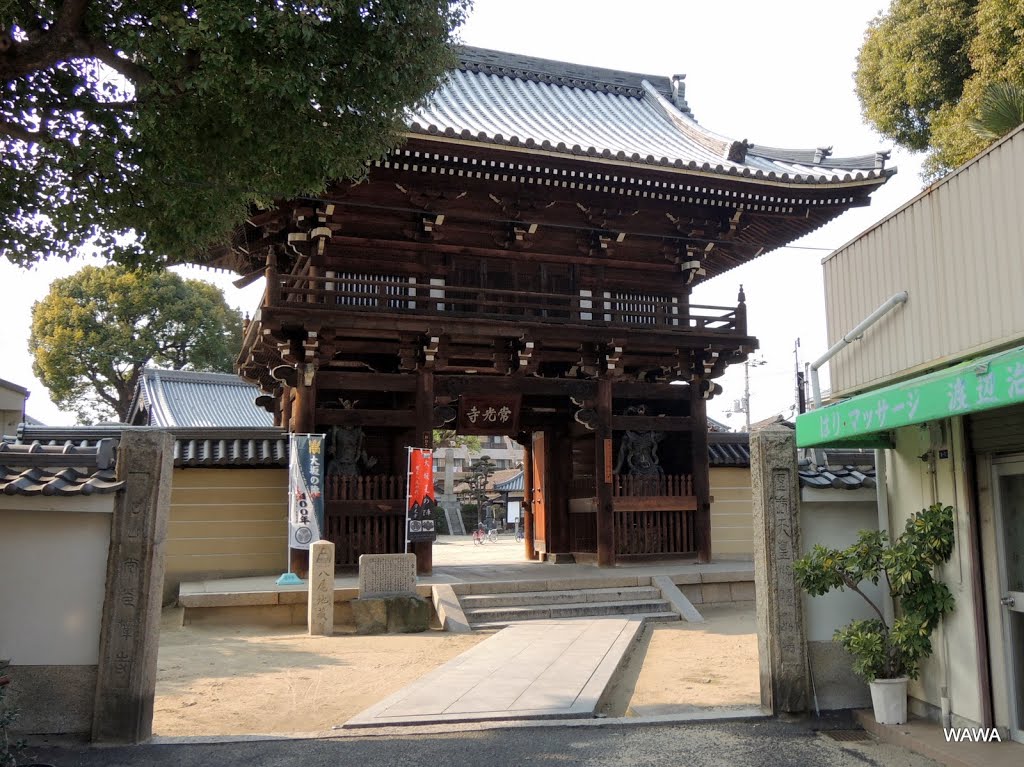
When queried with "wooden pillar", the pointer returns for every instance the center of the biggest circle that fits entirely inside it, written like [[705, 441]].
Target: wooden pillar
[[301, 422], [603, 462], [424, 437], [557, 493], [528, 496], [699, 467]]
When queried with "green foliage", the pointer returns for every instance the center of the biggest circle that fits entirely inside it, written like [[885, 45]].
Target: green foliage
[[925, 69], [451, 438], [95, 332], [170, 120], [907, 565], [1001, 110]]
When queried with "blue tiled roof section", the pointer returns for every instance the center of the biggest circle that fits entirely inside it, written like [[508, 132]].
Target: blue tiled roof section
[[502, 98], [185, 399], [510, 485]]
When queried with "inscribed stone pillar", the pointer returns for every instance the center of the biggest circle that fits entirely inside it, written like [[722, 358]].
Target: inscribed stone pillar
[[780, 626], [321, 589], [130, 627]]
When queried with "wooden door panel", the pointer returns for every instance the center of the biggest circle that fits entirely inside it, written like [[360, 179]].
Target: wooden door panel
[[540, 517]]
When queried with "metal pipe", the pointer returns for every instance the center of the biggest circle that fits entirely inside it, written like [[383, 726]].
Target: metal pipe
[[854, 335]]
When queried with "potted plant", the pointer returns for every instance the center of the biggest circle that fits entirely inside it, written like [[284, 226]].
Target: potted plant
[[887, 656]]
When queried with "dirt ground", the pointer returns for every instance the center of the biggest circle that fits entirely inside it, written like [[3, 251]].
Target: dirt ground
[[234, 681]]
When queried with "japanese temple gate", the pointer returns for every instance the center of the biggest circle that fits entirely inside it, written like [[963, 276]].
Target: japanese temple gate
[[523, 265]]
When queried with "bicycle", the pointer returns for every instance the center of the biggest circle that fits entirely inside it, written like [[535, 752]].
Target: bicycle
[[520, 534], [480, 535]]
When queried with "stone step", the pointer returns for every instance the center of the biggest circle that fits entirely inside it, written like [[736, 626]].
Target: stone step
[[548, 611], [574, 596], [651, 616]]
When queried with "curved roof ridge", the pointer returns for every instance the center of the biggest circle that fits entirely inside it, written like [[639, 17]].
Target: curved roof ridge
[[693, 130], [490, 61]]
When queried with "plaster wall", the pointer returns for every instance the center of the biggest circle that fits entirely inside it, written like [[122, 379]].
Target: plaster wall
[[51, 594], [917, 477], [732, 513], [833, 518], [51, 603]]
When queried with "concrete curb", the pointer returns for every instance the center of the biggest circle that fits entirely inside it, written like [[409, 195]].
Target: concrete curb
[[680, 604]]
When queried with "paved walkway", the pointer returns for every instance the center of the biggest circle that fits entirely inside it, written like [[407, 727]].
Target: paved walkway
[[535, 670]]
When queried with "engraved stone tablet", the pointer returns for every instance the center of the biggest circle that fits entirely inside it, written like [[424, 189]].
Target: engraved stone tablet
[[386, 575], [321, 589]]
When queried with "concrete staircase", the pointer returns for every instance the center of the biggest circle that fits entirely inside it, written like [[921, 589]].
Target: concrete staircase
[[511, 602]]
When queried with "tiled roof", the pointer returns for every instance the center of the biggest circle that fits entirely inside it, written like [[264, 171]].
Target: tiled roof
[[843, 477], [245, 447], [503, 98], [512, 485], [728, 449], [38, 469], [186, 399]]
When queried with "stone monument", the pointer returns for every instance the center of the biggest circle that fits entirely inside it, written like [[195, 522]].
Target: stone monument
[[321, 589], [387, 601], [780, 626]]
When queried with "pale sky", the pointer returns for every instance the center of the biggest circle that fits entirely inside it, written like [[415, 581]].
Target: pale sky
[[778, 74]]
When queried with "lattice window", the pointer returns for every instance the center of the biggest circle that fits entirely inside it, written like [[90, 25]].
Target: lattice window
[[364, 290]]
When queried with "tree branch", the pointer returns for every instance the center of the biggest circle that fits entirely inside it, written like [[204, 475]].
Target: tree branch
[[63, 41], [106, 54], [851, 584]]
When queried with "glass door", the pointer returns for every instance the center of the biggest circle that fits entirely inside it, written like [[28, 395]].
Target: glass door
[[1009, 497]]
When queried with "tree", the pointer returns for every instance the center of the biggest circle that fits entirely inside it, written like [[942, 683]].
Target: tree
[[1001, 110], [451, 438], [150, 129], [95, 332], [924, 69], [480, 472]]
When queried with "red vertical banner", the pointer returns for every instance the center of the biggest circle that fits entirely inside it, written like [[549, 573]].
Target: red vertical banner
[[420, 500]]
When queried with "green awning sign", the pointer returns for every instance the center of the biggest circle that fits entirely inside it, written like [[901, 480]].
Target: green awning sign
[[981, 384]]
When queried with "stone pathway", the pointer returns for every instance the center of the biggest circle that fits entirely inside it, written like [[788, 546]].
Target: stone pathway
[[536, 670]]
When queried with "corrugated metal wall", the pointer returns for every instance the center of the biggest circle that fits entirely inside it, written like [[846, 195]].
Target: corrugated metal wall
[[957, 249], [226, 523]]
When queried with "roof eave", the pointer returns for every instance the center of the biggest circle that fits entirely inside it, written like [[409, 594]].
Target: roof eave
[[875, 177]]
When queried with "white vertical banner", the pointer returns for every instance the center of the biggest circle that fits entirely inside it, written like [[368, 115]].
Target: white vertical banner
[[305, 490]]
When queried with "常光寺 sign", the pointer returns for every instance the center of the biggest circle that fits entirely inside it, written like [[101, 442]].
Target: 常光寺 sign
[[489, 414], [982, 384], [305, 490]]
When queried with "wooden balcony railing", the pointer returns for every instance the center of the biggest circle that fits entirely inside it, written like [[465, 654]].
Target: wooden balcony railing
[[382, 487], [409, 296]]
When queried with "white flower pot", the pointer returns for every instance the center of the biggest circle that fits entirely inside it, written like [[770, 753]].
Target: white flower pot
[[889, 699]]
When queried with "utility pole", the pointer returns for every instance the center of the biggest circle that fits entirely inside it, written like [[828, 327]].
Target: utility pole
[[746, 387]]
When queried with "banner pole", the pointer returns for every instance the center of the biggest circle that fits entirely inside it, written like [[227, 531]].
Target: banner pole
[[408, 489], [288, 578]]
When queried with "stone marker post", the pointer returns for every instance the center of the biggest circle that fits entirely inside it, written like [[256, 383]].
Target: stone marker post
[[130, 627], [780, 626], [321, 589]]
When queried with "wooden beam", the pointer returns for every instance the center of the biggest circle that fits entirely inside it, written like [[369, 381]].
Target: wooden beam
[[653, 423], [655, 503], [388, 418], [424, 438], [603, 461], [387, 382], [701, 480]]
